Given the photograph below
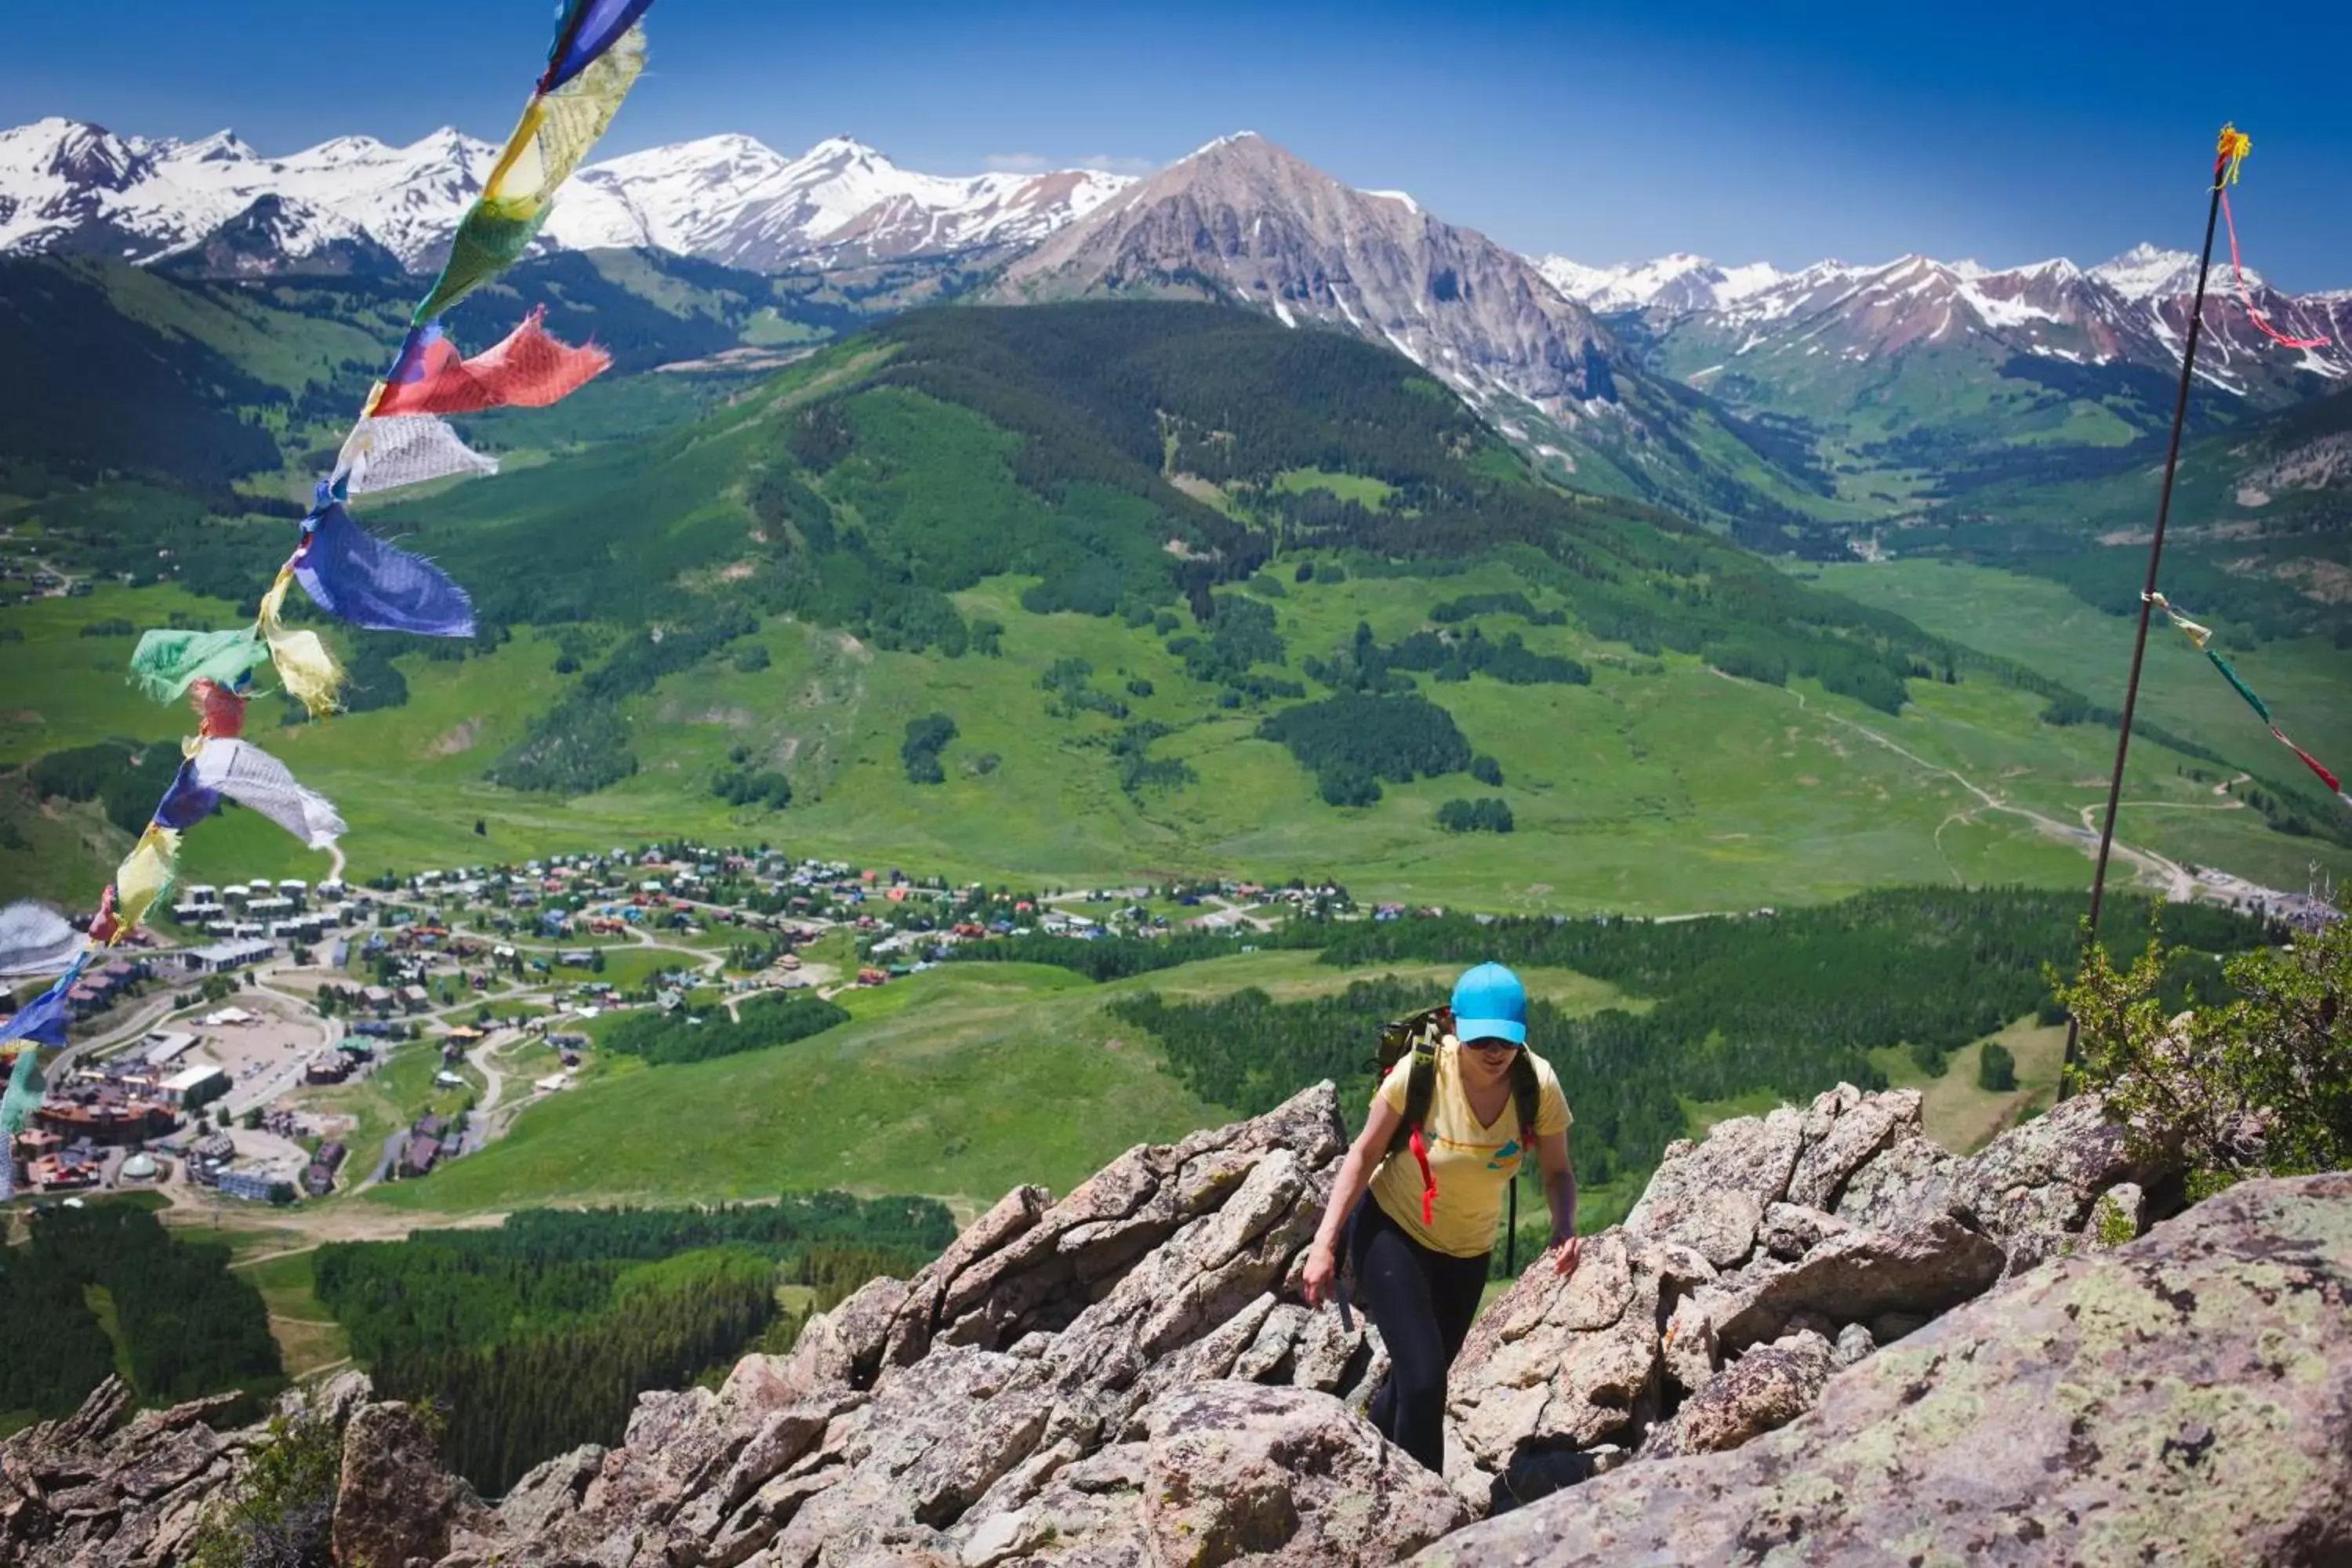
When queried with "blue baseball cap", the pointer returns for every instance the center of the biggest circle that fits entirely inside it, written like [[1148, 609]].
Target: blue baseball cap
[[1489, 1004]]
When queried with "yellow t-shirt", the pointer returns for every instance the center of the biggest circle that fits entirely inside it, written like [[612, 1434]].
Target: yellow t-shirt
[[1472, 1163]]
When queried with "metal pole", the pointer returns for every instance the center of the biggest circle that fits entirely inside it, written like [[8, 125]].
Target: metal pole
[[2147, 600]]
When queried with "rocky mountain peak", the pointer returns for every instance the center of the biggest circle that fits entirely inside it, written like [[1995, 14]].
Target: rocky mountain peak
[[1248, 220], [81, 153], [280, 237]]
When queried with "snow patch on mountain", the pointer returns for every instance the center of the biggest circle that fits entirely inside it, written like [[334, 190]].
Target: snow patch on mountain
[[2147, 272], [68, 186], [1676, 282]]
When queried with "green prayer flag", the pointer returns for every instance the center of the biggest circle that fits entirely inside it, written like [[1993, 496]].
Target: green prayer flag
[[2256, 703], [168, 661]]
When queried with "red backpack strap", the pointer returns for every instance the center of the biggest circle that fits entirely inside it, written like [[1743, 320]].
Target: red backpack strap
[[1428, 1180]]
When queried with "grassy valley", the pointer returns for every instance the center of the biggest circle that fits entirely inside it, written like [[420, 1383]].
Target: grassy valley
[[1104, 544]]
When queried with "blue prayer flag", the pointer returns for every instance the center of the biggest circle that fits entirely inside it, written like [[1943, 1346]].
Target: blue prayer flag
[[354, 575], [585, 29]]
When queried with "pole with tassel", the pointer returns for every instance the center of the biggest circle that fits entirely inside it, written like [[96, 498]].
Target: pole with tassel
[[2228, 152]]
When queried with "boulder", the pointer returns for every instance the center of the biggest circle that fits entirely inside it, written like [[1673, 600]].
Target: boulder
[[1768, 1387], [1688, 1346], [1789, 1231], [1911, 1176], [2187, 1398], [2034, 1187], [1751, 1155], [395, 1505], [1719, 1225], [1564, 1365], [1852, 1128], [1858, 1274], [1274, 1476]]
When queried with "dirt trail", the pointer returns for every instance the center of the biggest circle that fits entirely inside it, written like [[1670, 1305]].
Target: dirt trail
[[2152, 868]]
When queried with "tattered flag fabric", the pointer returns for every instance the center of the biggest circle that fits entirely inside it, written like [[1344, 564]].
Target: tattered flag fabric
[[252, 777], [43, 1019], [312, 673], [2326, 777], [167, 662], [587, 30], [146, 873], [219, 710], [556, 131], [187, 801], [351, 574], [384, 454], [527, 369], [26, 1089], [36, 940]]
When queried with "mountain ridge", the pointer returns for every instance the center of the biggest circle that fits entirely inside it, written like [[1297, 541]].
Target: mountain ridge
[[68, 186], [2130, 310]]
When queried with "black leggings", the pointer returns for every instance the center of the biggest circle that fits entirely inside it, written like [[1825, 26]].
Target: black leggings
[[1423, 1302]]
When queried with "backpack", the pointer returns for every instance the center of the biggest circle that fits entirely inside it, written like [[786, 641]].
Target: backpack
[[1418, 1036]]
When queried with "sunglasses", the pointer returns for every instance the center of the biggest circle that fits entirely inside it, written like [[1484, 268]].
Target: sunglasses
[[1490, 1045]]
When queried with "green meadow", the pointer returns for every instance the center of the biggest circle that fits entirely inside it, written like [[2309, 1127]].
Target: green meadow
[[1661, 787], [960, 1082], [2038, 623]]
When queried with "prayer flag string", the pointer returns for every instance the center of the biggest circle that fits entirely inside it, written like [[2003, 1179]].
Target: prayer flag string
[[398, 439], [2202, 637]]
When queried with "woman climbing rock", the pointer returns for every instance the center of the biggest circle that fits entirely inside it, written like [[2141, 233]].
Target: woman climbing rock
[[1416, 1198]]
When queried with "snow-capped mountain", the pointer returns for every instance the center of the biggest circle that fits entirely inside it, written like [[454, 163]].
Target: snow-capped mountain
[[68, 188], [730, 199], [2131, 310], [2146, 272], [1678, 282], [278, 235]]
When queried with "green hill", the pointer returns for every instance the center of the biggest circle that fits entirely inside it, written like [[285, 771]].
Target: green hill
[[2260, 534], [1134, 553]]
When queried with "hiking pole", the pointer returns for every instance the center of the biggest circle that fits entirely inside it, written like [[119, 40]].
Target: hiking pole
[[2231, 147], [1511, 1232]]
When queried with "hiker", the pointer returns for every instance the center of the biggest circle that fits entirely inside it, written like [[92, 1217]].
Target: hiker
[[1419, 1222]]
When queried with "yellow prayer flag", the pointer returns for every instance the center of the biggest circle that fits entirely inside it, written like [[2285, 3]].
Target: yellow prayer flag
[[145, 874], [310, 671]]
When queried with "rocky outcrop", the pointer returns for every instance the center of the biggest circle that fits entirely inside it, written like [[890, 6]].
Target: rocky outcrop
[[1768, 1387], [104, 1485], [1238, 1470], [1015, 1400], [1130, 1376], [108, 1489], [395, 1505], [1838, 1221], [2187, 1398]]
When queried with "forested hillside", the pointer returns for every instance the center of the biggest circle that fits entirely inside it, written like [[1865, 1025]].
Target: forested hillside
[[106, 1290], [537, 1336], [950, 447], [1783, 1005]]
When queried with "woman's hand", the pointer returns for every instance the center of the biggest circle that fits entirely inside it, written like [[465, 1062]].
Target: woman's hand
[[1322, 1272], [1564, 1256]]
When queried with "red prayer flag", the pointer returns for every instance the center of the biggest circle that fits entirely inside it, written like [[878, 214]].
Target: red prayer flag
[[219, 711], [528, 370]]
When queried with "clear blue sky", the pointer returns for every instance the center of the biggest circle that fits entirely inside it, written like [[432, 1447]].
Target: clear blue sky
[[2005, 134]]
